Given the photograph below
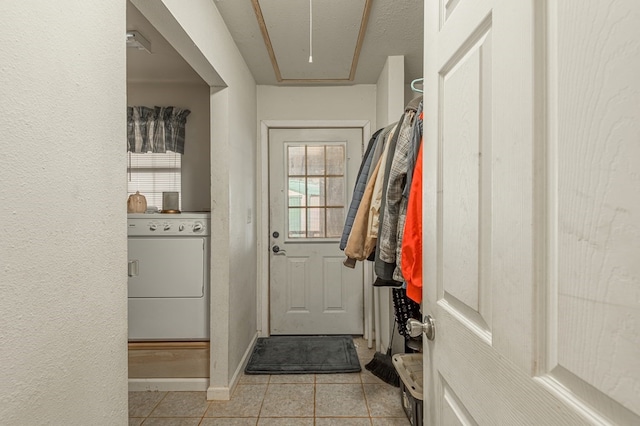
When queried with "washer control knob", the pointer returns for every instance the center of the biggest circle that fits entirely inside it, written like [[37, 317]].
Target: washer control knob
[[181, 228], [167, 226], [153, 227], [197, 227]]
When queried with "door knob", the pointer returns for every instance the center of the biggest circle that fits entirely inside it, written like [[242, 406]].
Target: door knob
[[278, 250], [415, 328]]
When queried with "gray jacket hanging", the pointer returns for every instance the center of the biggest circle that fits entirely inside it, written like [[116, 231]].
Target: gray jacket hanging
[[385, 270], [361, 183]]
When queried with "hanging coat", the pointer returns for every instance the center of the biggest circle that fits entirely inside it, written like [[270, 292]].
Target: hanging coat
[[355, 248], [394, 187], [412, 241], [373, 223], [412, 153], [361, 182], [384, 270]]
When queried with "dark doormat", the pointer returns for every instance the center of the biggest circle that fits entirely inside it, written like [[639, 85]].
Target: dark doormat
[[303, 355]]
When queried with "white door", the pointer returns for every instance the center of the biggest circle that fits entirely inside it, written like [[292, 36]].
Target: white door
[[312, 173], [532, 212]]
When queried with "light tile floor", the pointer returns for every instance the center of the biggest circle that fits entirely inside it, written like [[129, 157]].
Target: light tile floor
[[280, 400]]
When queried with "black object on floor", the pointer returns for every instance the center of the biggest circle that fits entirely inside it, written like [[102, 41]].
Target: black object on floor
[[381, 365], [303, 355]]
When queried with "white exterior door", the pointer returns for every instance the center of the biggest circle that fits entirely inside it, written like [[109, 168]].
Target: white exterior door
[[532, 212], [311, 175]]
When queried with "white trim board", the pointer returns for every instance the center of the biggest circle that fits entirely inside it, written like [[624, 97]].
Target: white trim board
[[224, 393], [263, 203]]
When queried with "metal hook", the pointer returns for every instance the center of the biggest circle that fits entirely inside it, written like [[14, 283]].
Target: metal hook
[[413, 85]]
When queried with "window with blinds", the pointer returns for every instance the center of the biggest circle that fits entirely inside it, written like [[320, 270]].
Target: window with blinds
[[154, 173]]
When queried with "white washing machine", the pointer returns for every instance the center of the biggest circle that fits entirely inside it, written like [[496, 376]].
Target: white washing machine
[[168, 267]]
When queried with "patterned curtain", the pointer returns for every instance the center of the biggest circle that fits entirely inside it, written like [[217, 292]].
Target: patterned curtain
[[158, 129]]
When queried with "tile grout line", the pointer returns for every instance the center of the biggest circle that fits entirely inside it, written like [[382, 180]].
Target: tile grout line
[[315, 384], [154, 407], [266, 389], [364, 395], [205, 411], [366, 402]]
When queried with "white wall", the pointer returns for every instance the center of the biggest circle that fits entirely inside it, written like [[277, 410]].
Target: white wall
[[196, 164], [196, 30], [390, 100], [63, 334], [318, 103]]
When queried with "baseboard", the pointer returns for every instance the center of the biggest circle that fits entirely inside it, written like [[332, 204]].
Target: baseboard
[[169, 384], [224, 393]]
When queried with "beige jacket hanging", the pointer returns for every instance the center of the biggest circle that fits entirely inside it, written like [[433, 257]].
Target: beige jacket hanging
[[376, 199], [355, 248]]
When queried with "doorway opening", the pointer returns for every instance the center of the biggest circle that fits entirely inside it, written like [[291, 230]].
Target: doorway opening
[[308, 169]]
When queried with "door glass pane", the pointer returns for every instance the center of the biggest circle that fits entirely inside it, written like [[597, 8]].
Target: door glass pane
[[297, 223], [297, 192], [315, 160], [315, 219], [335, 222], [335, 191], [296, 160], [335, 160], [315, 192]]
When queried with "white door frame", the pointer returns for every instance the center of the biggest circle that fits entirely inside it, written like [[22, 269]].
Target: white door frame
[[263, 202]]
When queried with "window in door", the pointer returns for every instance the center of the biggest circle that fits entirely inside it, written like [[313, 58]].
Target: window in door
[[316, 185], [154, 173]]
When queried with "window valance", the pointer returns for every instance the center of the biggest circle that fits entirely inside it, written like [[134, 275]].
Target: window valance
[[157, 129]]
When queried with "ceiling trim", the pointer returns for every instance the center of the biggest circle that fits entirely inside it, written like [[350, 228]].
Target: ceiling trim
[[267, 39], [363, 30], [274, 62]]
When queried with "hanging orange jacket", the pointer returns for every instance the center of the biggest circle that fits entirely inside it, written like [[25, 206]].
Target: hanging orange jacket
[[412, 239]]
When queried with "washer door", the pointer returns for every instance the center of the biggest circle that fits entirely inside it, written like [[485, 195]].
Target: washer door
[[166, 267]]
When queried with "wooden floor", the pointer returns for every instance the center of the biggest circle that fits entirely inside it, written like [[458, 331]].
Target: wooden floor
[[169, 360]]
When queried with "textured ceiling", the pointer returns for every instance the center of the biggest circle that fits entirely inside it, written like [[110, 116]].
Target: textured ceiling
[[335, 28], [394, 28]]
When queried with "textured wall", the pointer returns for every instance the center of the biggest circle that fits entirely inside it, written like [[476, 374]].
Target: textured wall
[[233, 148], [391, 91], [197, 31], [318, 103], [63, 332]]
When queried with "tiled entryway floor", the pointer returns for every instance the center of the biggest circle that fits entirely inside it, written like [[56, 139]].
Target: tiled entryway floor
[[300, 399]]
